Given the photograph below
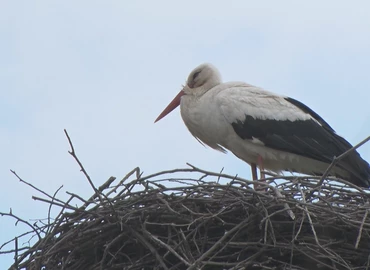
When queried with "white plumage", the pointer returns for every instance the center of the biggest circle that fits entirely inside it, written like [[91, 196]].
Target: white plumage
[[209, 118], [237, 100], [257, 124]]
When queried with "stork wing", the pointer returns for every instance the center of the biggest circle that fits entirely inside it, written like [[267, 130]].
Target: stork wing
[[284, 124]]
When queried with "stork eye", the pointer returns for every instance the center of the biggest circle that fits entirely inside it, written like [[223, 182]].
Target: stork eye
[[196, 75]]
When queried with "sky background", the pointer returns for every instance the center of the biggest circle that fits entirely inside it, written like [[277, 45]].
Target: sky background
[[104, 70]]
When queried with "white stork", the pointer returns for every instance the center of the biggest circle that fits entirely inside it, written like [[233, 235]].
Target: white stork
[[275, 132]]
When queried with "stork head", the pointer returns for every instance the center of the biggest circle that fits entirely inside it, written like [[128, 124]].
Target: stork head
[[200, 80], [203, 78]]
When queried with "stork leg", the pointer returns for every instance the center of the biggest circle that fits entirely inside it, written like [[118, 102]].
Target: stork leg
[[254, 175], [254, 171], [262, 174], [261, 167]]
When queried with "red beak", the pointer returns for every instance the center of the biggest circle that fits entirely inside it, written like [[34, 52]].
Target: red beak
[[170, 107]]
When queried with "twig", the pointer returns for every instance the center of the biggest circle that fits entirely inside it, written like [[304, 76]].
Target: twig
[[73, 195], [360, 230], [156, 239], [16, 252], [308, 215], [10, 214], [286, 206], [55, 203], [51, 204], [73, 154], [218, 178], [216, 245], [152, 249], [135, 170], [35, 188]]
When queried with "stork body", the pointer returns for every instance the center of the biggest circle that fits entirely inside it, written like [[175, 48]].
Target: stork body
[[256, 124]]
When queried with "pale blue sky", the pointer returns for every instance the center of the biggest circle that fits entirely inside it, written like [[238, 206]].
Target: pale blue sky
[[104, 70]]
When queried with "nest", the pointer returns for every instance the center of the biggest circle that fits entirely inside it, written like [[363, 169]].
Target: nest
[[198, 223], [195, 219]]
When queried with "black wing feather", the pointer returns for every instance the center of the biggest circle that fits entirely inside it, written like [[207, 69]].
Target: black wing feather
[[309, 111], [308, 138], [305, 138]]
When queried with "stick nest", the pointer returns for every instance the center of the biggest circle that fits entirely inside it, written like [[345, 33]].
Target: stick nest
[[195, 222]]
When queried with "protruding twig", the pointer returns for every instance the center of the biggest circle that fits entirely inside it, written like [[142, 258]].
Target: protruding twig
[[73, 154], [10, 214], [35, 188], [16, 252]]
